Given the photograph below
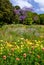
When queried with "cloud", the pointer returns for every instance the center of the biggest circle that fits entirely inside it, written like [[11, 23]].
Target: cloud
[[21, 3], [37, 5], [41, 4]]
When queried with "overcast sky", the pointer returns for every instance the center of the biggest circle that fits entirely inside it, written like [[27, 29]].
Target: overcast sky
[[38, 5]]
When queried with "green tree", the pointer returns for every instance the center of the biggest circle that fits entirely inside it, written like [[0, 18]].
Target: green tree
[[36, 18], [17, 7], [5, 11], [29, 19], [41, 18], [15, 16]]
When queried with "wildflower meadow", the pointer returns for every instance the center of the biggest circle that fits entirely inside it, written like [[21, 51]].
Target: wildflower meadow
[[21, 45], [21, 32]]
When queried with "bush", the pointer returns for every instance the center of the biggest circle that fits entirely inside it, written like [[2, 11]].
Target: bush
[[28, 21]]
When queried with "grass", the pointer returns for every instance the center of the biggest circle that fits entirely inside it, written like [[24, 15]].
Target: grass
[[22, 45]]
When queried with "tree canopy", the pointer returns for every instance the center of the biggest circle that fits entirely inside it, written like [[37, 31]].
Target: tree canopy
[[14, 14], [5, 11]]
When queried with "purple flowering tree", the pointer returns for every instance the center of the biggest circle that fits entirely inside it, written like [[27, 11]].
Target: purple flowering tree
[[22, 14], [22, 17], [16, 12]]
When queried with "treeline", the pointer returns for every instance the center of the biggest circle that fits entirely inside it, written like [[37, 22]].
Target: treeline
[[14, 15]]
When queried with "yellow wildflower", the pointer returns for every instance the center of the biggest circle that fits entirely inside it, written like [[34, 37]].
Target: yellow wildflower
[[9, 44], [1, 40]]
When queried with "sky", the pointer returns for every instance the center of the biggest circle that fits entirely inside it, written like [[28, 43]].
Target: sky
[[37, 5]]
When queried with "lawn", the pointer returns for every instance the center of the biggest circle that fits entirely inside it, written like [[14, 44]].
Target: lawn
[[22, 45]]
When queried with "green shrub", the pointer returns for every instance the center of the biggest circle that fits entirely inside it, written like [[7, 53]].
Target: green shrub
[[28, 21]]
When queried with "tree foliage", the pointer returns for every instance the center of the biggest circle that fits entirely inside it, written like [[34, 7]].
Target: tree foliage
[[10, 14], [41, 18], [36, 18], [5, 11]]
